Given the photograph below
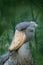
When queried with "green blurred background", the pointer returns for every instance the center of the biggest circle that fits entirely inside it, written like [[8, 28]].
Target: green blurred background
[[15, 11]]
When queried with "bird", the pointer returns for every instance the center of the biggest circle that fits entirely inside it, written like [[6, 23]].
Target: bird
[[24, 33]]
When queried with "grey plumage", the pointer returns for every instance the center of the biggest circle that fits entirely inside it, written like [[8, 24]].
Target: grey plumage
[[23, 56], [24, 25]]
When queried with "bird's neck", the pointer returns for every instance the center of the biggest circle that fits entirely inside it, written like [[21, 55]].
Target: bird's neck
[[24, 51]]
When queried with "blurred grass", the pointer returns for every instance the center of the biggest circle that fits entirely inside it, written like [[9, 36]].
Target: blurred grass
[[18, 13]]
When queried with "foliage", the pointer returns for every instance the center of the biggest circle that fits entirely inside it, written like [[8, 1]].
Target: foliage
[[15, 11]]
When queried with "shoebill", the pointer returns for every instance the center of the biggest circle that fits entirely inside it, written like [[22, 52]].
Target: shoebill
[[24, 32]]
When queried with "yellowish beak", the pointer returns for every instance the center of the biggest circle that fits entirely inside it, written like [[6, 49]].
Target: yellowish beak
[[18, 40]]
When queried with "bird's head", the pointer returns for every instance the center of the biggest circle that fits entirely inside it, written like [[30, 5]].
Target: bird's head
[[24, 32], [30, 31]]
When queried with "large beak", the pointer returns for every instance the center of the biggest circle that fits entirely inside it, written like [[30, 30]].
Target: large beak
[[18, 40]]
